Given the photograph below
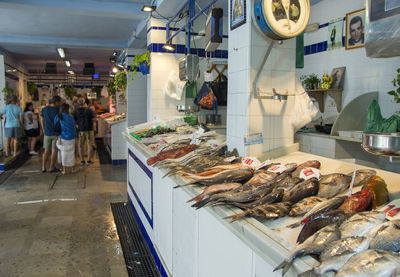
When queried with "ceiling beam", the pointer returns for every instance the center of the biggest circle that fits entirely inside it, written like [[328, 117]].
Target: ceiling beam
[[126, 10], [61, 41]]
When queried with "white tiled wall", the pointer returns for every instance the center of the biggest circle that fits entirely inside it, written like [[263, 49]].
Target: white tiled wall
[[363, 74]]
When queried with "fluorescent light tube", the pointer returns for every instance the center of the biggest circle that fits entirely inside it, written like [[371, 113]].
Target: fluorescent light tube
[[61, 52], [68, 63]]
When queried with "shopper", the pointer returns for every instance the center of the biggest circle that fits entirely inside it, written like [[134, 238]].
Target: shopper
[[84, 119], [75, 104], [31, 127], [50, 133], [13, 125], [66, 140]]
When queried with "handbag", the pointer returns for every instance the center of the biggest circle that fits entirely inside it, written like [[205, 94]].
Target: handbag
[[220, 89], [205, 98]]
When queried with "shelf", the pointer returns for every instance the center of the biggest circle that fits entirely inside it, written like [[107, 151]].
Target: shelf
[[319, 95]]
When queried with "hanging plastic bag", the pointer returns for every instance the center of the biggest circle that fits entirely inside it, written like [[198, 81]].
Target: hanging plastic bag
[[206, 98], [174, 88], [220, 89]]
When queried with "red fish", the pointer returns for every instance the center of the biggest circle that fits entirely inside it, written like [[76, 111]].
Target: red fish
[[171, 154], [358, 201]]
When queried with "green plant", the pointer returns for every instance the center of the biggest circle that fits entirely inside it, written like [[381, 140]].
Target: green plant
[[310, 81], [396, 83], [133, 70], [111, 88], [8, 92], [70, 91], [120, 81], [31, 88]]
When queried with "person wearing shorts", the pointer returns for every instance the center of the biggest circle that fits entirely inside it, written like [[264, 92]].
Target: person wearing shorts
[[13, 125], [50, 134], [84, 119], [31, 127]]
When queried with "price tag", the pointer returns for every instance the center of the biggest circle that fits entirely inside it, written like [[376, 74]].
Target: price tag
[[250, 161], [230, 159], [263, 164], [309, 172], [392, 210], [277, 168]]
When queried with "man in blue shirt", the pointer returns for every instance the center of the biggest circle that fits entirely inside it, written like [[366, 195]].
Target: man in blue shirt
[[14, 122], [50, 134]]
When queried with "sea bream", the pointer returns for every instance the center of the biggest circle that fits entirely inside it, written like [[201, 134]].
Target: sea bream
[[337, 253], [386, 236], [313, 245], [208, 191], [273, 197], [266, 211], [304, 206], [371, 263], [332, 184], [321, 220], [312, 163], [301, 191], [361, 223]]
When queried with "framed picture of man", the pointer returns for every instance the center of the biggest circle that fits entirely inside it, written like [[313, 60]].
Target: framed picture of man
[[238, 13], [355, 25], [338, 77]]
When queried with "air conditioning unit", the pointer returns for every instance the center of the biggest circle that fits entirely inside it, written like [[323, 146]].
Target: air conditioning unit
[[89, 69], [51, 68], [189, 68], [214, 29]]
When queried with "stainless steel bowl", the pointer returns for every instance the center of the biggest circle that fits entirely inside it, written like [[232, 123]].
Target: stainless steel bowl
[[383, 144], [188, 109]]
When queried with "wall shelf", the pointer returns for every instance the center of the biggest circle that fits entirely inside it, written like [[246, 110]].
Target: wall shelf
[[319, 95]]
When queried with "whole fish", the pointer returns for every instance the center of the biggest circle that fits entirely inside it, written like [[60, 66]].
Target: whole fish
[[378, 188], [324, 206], [362, 176], [312, 163], [332, 184], [337, 253], [321, 220], [305, 205], [361, 223], [208, 191], [227, 176], [171, 154], [386, 236], [358, 201], [286, 182], [371, 263], [301, 191], [313, 245], [213, 171], [265, 211], [273, 197]]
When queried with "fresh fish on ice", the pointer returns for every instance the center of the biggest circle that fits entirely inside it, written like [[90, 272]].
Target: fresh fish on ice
[[386, 236], [301, 191], [361, 223], [304, 206], [265, 211], [332, 184]]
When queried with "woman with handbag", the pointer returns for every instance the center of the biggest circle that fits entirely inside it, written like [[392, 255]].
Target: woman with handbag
[[66, 140]]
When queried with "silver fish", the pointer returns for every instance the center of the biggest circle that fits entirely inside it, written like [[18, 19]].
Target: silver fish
[[208, 191], [312, 245], [305, 205], [361, 223], [386, 236], [371, 263], [332, 184], [301, 191]]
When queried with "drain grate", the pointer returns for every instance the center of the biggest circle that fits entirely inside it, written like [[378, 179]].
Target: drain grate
[[138, 259]]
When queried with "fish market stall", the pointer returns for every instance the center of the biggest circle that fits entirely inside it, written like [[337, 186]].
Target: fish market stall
[[113, 138], [200, 242]]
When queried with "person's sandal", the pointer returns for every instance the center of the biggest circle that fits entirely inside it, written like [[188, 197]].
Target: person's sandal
[[82, 163], [55, 170], [44, 171]]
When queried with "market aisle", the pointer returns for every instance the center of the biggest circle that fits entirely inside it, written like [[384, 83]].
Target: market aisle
[[64, 231]]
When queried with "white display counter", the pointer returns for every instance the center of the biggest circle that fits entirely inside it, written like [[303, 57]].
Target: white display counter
[[189, 242], [115, 142]]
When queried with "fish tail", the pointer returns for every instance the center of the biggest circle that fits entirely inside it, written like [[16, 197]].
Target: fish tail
[[196, 199], [152, 160], [202, 203], [236, 217], [285, 266], [180, 186]]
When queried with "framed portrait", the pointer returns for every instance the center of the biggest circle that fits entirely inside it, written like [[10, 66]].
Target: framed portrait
[[335, 34], [238, 13], [380, 9], [338, 77], [355, 27]]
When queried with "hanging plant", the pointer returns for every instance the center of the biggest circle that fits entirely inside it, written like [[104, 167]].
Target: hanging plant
[[8, 92], [142, 62], [111, 88], [70, 92], [31, 88], [120, 82], [396, 92]]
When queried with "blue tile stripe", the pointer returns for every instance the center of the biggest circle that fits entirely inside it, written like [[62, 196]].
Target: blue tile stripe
[[181, 49], [150, 244], [150, 175], [118, 162], [318, 47], [177, 29]]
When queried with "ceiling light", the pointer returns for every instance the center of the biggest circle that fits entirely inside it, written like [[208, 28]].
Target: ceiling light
[[115, 70], [148, 8], [71, 72], [61, 52], [169, 47], [68, 63], [11, 70]]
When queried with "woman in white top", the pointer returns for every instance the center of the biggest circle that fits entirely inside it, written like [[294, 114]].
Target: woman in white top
[[31, 127]]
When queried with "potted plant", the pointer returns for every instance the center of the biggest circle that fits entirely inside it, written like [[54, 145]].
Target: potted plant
[[310, 81], [31, 88], [111, 88], [142, 61], [396, 92], [120, 81], [8, 92], [69, 91]]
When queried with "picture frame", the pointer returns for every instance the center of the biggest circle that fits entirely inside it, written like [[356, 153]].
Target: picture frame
[[338, 77], [355, 29], [381, 9], [237, 13]]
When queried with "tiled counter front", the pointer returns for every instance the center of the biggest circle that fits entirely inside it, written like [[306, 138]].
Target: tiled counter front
[[189, 242], [115, 142]]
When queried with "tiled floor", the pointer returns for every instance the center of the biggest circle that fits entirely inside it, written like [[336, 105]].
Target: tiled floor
[[64, 231]]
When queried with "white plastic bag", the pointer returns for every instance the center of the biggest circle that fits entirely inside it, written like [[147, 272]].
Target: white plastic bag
[[174, 88]]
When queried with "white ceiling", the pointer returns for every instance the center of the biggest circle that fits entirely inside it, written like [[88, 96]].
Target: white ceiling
[[88, 30]]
